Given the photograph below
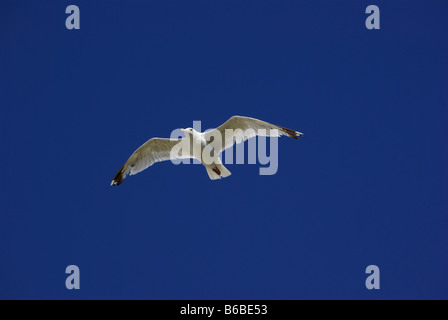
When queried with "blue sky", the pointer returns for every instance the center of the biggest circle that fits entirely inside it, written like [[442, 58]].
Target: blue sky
[[366, 185]]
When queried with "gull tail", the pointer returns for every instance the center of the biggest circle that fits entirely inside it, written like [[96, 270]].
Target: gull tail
[[217, 171]]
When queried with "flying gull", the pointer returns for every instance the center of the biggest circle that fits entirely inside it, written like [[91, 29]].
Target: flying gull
[[235, 130]]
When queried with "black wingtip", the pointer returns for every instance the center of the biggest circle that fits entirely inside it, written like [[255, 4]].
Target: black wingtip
[[118, 179], [291, 133]]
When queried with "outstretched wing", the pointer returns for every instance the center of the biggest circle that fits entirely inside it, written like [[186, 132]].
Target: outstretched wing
[[238, 129], [152, 151]]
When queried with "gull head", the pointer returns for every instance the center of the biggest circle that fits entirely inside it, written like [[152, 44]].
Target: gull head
[[188, 131]]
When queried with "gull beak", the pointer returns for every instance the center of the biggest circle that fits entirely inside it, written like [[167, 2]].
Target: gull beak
[[183, 130]]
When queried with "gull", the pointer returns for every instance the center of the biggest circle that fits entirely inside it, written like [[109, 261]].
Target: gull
[[235, 130]]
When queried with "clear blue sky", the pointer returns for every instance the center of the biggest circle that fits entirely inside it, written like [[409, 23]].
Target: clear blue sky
[[366, 185]]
